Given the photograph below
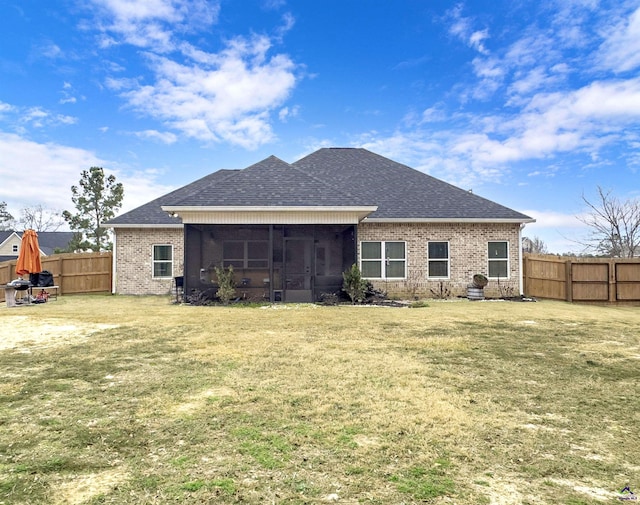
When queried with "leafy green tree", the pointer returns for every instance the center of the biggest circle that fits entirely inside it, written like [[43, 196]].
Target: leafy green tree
[[97, 199], [6, 219]]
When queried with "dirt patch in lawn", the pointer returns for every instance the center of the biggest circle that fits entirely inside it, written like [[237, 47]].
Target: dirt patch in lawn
[[81, 488], [24, 333]]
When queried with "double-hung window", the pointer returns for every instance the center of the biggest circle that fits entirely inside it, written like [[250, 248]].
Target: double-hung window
[[383, 260], [498, 256], [246, 253], [14, 248], [162, 261], [438, 260]]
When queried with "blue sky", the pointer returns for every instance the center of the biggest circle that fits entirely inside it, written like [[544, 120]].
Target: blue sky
[[530, 104]]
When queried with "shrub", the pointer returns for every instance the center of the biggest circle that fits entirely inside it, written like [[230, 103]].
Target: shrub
[[353, 284], [226, 284]]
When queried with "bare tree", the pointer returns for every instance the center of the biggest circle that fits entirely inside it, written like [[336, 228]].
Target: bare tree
[[614, 224], [6, 219], [534, 245], [39, 218]]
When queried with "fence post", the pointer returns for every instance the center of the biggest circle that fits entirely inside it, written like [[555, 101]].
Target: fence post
[[568, 281], [60, 278], [612, 280]]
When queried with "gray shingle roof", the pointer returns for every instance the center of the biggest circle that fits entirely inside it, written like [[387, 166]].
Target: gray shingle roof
[[327, 177], [49, 241], [272, 183], [400, 192], [151, 213]]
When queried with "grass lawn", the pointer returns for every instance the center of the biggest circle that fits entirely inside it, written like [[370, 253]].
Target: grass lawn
[[125, 400]]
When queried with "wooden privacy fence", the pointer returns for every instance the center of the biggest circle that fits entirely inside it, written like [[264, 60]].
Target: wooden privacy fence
[[73, 273], [601, 280]]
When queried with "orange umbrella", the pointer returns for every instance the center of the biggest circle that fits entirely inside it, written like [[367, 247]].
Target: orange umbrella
[[29, 256]]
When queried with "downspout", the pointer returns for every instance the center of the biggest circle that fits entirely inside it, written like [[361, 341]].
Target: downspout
[[520, 259], [114, 264]]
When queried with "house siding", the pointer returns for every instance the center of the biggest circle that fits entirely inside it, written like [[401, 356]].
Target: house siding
[[6, 248], [467, 253], [134, 259]]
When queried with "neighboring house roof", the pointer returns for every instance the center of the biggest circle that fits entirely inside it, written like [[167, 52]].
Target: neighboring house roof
[[49, 241], [6, 235], [330, 177]]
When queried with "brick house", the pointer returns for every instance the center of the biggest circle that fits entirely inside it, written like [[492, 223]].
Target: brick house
[[290, 230]]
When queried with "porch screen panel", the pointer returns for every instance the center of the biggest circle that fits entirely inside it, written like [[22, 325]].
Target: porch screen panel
[[233, 253], [258, 254]]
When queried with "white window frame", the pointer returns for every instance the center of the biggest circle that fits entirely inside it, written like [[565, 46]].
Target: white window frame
[[447, 260], [246, 260], [155, 261], [506, 260], [384, 261], [15, 248]]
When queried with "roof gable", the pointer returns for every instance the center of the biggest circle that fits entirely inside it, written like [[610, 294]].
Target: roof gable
[[268, 183]]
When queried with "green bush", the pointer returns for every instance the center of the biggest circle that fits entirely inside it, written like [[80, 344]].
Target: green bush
[[353, 284], [226, 284]]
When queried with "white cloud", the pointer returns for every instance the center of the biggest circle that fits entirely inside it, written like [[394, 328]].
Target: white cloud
[[37, 117], [582, 121], [43, 173], [286, 113], [462, 28], [40, 173], [164, 137], [476, 40], [560, 232], [620, 51], [224, 96], [152, 23]]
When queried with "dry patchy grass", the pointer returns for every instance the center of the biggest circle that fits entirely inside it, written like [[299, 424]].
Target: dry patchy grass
[[122, 400]]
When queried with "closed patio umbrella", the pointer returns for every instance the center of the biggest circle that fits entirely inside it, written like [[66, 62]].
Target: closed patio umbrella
[[29, 255]]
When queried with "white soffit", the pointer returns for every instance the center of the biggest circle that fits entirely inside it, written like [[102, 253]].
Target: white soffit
[[270, 215]]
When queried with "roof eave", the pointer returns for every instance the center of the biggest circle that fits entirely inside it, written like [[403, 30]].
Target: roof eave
[[448, 220], [270, 208], [135, 225]]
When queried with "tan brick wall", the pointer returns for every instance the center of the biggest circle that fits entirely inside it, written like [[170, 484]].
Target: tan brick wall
[[467, 252], [134, 255]]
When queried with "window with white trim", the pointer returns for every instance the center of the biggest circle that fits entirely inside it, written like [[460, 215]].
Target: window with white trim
[[438, 260], [498, 259], [162, 261], [383, 260], [14, 248], [245, 253]]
